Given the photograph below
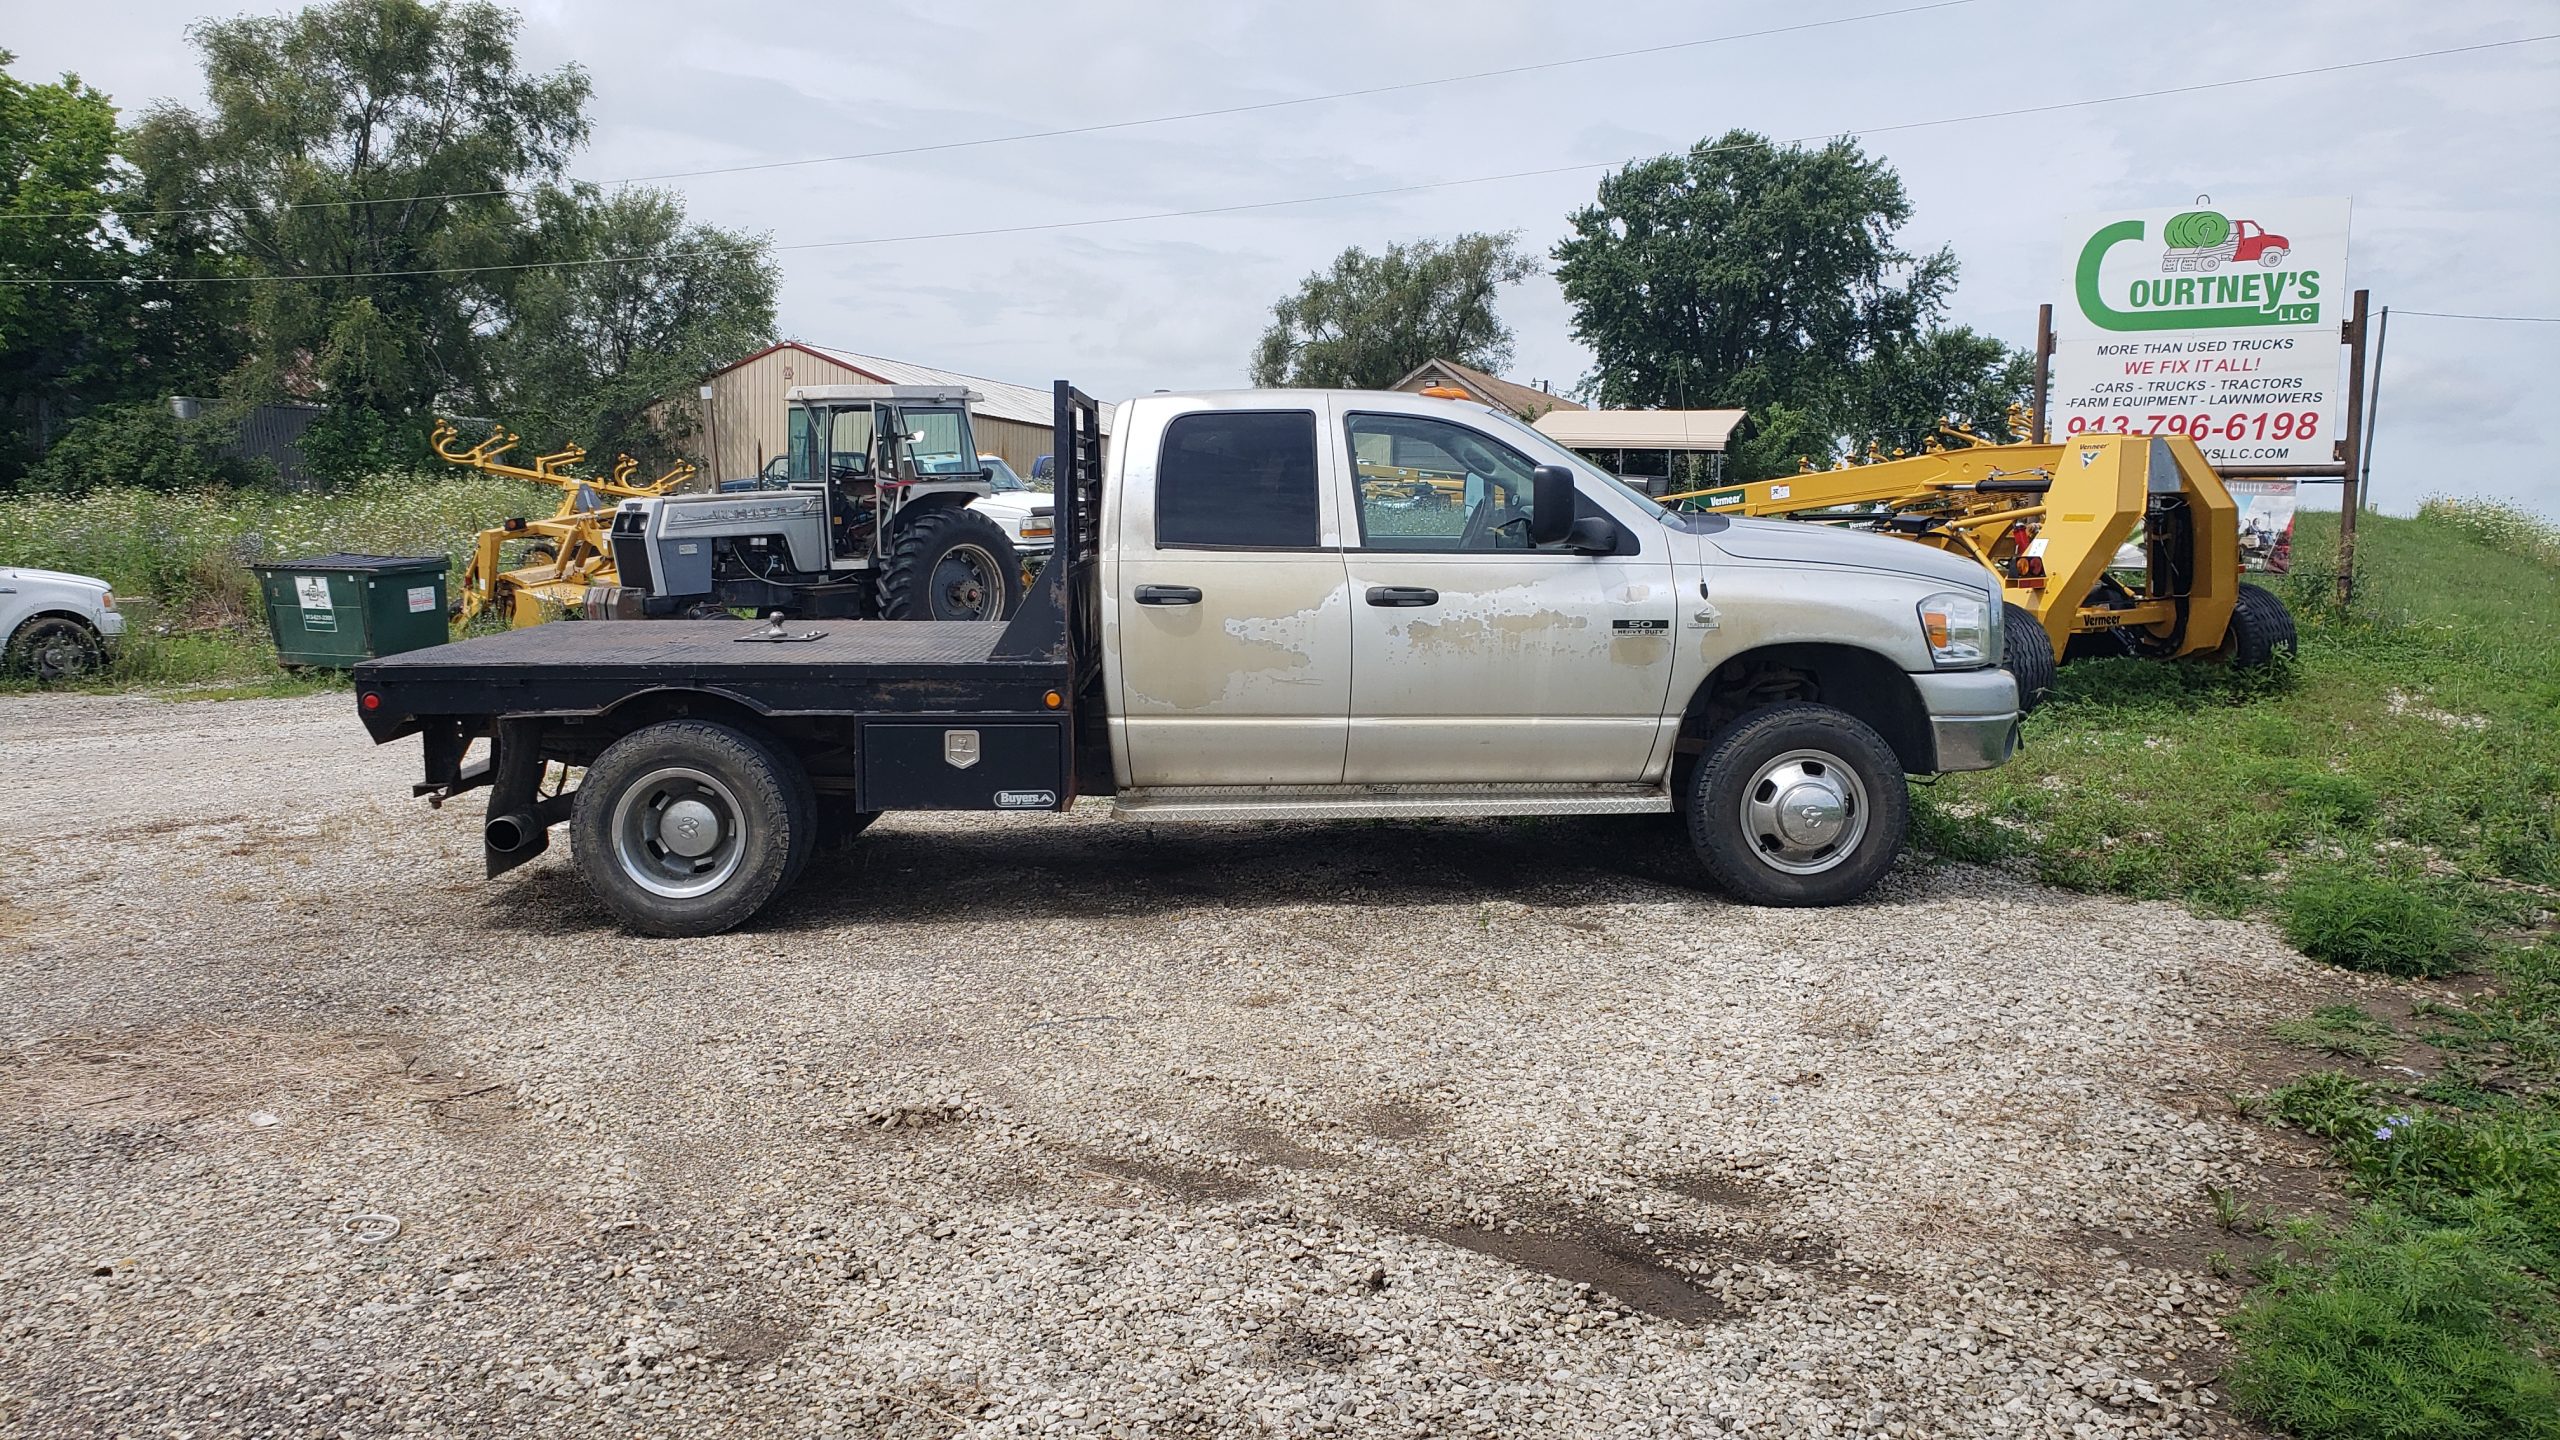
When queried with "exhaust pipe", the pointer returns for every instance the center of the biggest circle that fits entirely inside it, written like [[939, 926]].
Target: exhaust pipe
[[507, 834], [519, 835]]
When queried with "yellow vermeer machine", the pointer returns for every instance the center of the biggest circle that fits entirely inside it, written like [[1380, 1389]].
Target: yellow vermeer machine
[[567, 550], [2104, 544]]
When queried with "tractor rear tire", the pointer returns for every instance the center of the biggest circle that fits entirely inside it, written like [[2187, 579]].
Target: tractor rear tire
[[2260, 627], [2026, 652], [951, 563], [688, 827]]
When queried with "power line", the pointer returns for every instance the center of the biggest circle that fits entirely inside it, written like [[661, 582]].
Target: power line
[[2455, 315], [1205, 210], [1069, 130]]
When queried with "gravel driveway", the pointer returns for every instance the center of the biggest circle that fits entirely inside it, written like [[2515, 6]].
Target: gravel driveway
[[1017, 1125]]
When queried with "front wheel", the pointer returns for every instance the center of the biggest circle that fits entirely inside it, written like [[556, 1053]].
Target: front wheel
[[1798, 805], [53, 649], [2261, 629], [688, 827]]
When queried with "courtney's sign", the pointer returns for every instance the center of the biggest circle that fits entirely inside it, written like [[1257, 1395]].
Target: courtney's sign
[[2211, 320]]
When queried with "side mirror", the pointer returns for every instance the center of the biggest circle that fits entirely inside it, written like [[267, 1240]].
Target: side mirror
[[1592, 535], [1551, 504]]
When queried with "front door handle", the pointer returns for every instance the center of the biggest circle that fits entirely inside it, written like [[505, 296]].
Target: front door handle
[[1402, 596], [1168, 594]]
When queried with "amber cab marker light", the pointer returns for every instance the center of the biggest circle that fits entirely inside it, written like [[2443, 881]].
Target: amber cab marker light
[[1053, 700], [1443, 392]]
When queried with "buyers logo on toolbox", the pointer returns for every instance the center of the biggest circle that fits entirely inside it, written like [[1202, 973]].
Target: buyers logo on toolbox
[[2206, 267]]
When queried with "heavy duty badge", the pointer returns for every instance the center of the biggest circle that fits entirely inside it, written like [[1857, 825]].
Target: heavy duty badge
[[960, 748]]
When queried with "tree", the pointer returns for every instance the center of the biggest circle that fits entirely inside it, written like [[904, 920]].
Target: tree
[[1746, 274], [371, 148], [103, 339], [593, 350], [1369, 320]]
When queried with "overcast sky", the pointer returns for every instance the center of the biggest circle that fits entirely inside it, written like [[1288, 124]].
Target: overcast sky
[[2453, 163]]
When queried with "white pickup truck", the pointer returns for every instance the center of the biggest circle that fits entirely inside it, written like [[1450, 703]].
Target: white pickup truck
[[1271, 604]]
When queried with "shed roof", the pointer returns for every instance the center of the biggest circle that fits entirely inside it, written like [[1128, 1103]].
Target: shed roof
[[1640, 429], [1527, 401], [997, 399]]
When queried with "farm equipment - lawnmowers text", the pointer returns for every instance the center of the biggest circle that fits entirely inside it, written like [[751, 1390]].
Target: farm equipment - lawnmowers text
[[566, 553], [2054, 523], [873, 522]]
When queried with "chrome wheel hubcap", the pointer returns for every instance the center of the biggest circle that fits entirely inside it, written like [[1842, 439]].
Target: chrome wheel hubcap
[[1805, 812], [676, 832]]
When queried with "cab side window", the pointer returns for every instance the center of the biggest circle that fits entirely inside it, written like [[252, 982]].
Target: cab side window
[[1436, 485], [1238, 480]]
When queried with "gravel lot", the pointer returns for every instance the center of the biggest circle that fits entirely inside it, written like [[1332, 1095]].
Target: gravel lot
[[1009, 1125]]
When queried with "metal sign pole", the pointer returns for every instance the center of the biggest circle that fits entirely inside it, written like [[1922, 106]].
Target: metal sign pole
[[2373, 407], [2044, 372], [2350, 448]]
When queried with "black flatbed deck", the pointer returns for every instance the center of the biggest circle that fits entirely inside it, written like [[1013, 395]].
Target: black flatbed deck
[[580, 668]]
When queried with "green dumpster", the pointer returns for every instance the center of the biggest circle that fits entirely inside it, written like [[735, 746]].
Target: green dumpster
[[334, 610]]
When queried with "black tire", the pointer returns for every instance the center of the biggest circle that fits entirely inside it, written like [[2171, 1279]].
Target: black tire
[[951, 563], [2260, 628], [2026, 652], [756, 795], [54, 650], [1748, 767]]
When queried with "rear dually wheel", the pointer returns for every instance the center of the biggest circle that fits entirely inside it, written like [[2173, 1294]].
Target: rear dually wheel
[[688, 827]]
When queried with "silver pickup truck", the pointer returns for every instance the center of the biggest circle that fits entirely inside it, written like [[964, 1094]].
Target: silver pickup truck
[[1265, 605]]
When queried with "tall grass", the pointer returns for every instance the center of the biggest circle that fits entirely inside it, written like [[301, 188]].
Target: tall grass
[[2393, 798], [179, 562]]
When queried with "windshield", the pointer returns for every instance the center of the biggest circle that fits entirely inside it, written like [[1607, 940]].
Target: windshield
[[1000, 476], [938, 439], [1558, 454]]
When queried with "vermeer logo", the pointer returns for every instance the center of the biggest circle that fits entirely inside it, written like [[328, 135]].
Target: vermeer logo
[[2189, 289]]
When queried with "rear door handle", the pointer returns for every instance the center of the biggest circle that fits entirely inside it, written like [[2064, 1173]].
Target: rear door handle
[[1168, 594], [1402, 596]]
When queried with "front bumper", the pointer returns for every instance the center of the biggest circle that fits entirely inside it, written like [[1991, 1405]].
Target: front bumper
[[110, 624], [1973, 717]]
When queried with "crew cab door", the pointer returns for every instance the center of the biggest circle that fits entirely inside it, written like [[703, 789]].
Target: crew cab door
[[1231, 630], [1475, 657]]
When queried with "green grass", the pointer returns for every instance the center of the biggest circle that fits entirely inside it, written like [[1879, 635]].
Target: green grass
[[2390, 801], [179, 562], [2342, 1030]]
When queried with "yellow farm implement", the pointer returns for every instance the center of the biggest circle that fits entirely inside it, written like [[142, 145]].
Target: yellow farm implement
[[2103, 544], [563, 553]]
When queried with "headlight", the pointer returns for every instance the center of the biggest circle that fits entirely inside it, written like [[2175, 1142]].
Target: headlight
[[1962, 627], [107, 601]]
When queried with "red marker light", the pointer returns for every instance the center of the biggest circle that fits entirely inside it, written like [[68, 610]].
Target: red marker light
[[371, 701]]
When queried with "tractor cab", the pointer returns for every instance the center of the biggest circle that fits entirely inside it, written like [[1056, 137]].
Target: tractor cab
[[874, 448]]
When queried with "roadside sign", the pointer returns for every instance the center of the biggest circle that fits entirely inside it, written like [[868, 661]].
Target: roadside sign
[[2266, 523], [2215, 320]]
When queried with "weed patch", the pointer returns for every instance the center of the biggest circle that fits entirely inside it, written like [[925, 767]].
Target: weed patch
[[2365, 921]]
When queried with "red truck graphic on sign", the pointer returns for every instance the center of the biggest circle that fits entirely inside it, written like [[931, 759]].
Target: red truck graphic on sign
[[2203, 239]]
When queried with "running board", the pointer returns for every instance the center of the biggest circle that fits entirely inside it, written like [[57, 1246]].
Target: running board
[[1385, 802]]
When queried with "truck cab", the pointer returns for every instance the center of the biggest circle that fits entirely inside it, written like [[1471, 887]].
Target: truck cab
[[1268, 605]]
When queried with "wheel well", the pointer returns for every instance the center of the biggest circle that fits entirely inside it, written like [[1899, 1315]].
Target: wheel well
[[824, 749], [74, 616], [1845, 677], [652, 706]]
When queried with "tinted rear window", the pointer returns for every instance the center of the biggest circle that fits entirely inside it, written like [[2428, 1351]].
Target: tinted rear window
[[1244, 479]]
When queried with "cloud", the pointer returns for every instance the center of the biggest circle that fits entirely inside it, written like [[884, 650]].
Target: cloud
[[2448, 159]]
